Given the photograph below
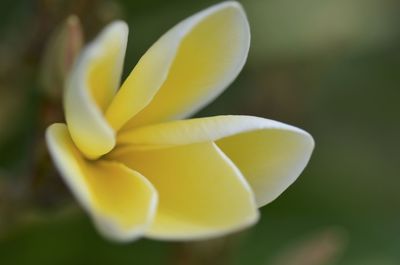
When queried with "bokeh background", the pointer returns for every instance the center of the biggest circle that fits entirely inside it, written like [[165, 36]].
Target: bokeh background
[[331, 67]]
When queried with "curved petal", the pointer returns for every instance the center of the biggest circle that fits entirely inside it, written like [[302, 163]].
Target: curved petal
[[270, 154], [185, 69], [90, 88], [121, 202], [202, 193]]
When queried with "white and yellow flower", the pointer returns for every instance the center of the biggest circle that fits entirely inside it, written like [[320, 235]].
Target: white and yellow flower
[[139, 170]]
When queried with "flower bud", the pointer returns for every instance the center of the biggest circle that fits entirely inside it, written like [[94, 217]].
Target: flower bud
[[63, 47]]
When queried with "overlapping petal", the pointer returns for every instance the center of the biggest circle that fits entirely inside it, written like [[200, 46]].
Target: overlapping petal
[[121, 201], [202, 193], [270, 154], [185, 69], [90, 89], [137, 172]]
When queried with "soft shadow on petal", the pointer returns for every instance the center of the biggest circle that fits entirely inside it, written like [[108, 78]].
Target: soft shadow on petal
[[185, 69], [201, 192], [271, 155], [121, 202], [90, 87]]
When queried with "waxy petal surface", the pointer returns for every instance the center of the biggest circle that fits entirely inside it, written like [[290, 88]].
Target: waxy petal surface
[[270, 154], [137, 172], [90, 88], [121, 202], [185, 69], [202, 193]]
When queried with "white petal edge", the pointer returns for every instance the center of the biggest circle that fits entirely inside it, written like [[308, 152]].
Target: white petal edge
[[88, 128], [198, 185], [251, 220], [221, 128], [198, 130], [69, 162], [167, 48]]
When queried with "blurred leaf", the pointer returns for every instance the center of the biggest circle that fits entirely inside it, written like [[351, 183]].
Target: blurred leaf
[[321, 248], [11, 104], [285, 29], [71, 239]]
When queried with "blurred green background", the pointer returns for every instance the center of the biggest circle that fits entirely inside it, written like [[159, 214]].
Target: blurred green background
[[331, 67]]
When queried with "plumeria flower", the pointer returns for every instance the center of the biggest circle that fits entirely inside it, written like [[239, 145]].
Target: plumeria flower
[[137, 168]]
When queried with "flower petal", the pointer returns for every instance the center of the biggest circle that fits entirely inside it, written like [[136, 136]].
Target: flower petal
[[270, 154], [185, 69], [121, 202], [202, 193], [90, 88]]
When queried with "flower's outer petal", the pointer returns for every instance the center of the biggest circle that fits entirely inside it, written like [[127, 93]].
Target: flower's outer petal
[[185, 69], [90, 88], [270, 154], [121, 202], [201, 192]]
